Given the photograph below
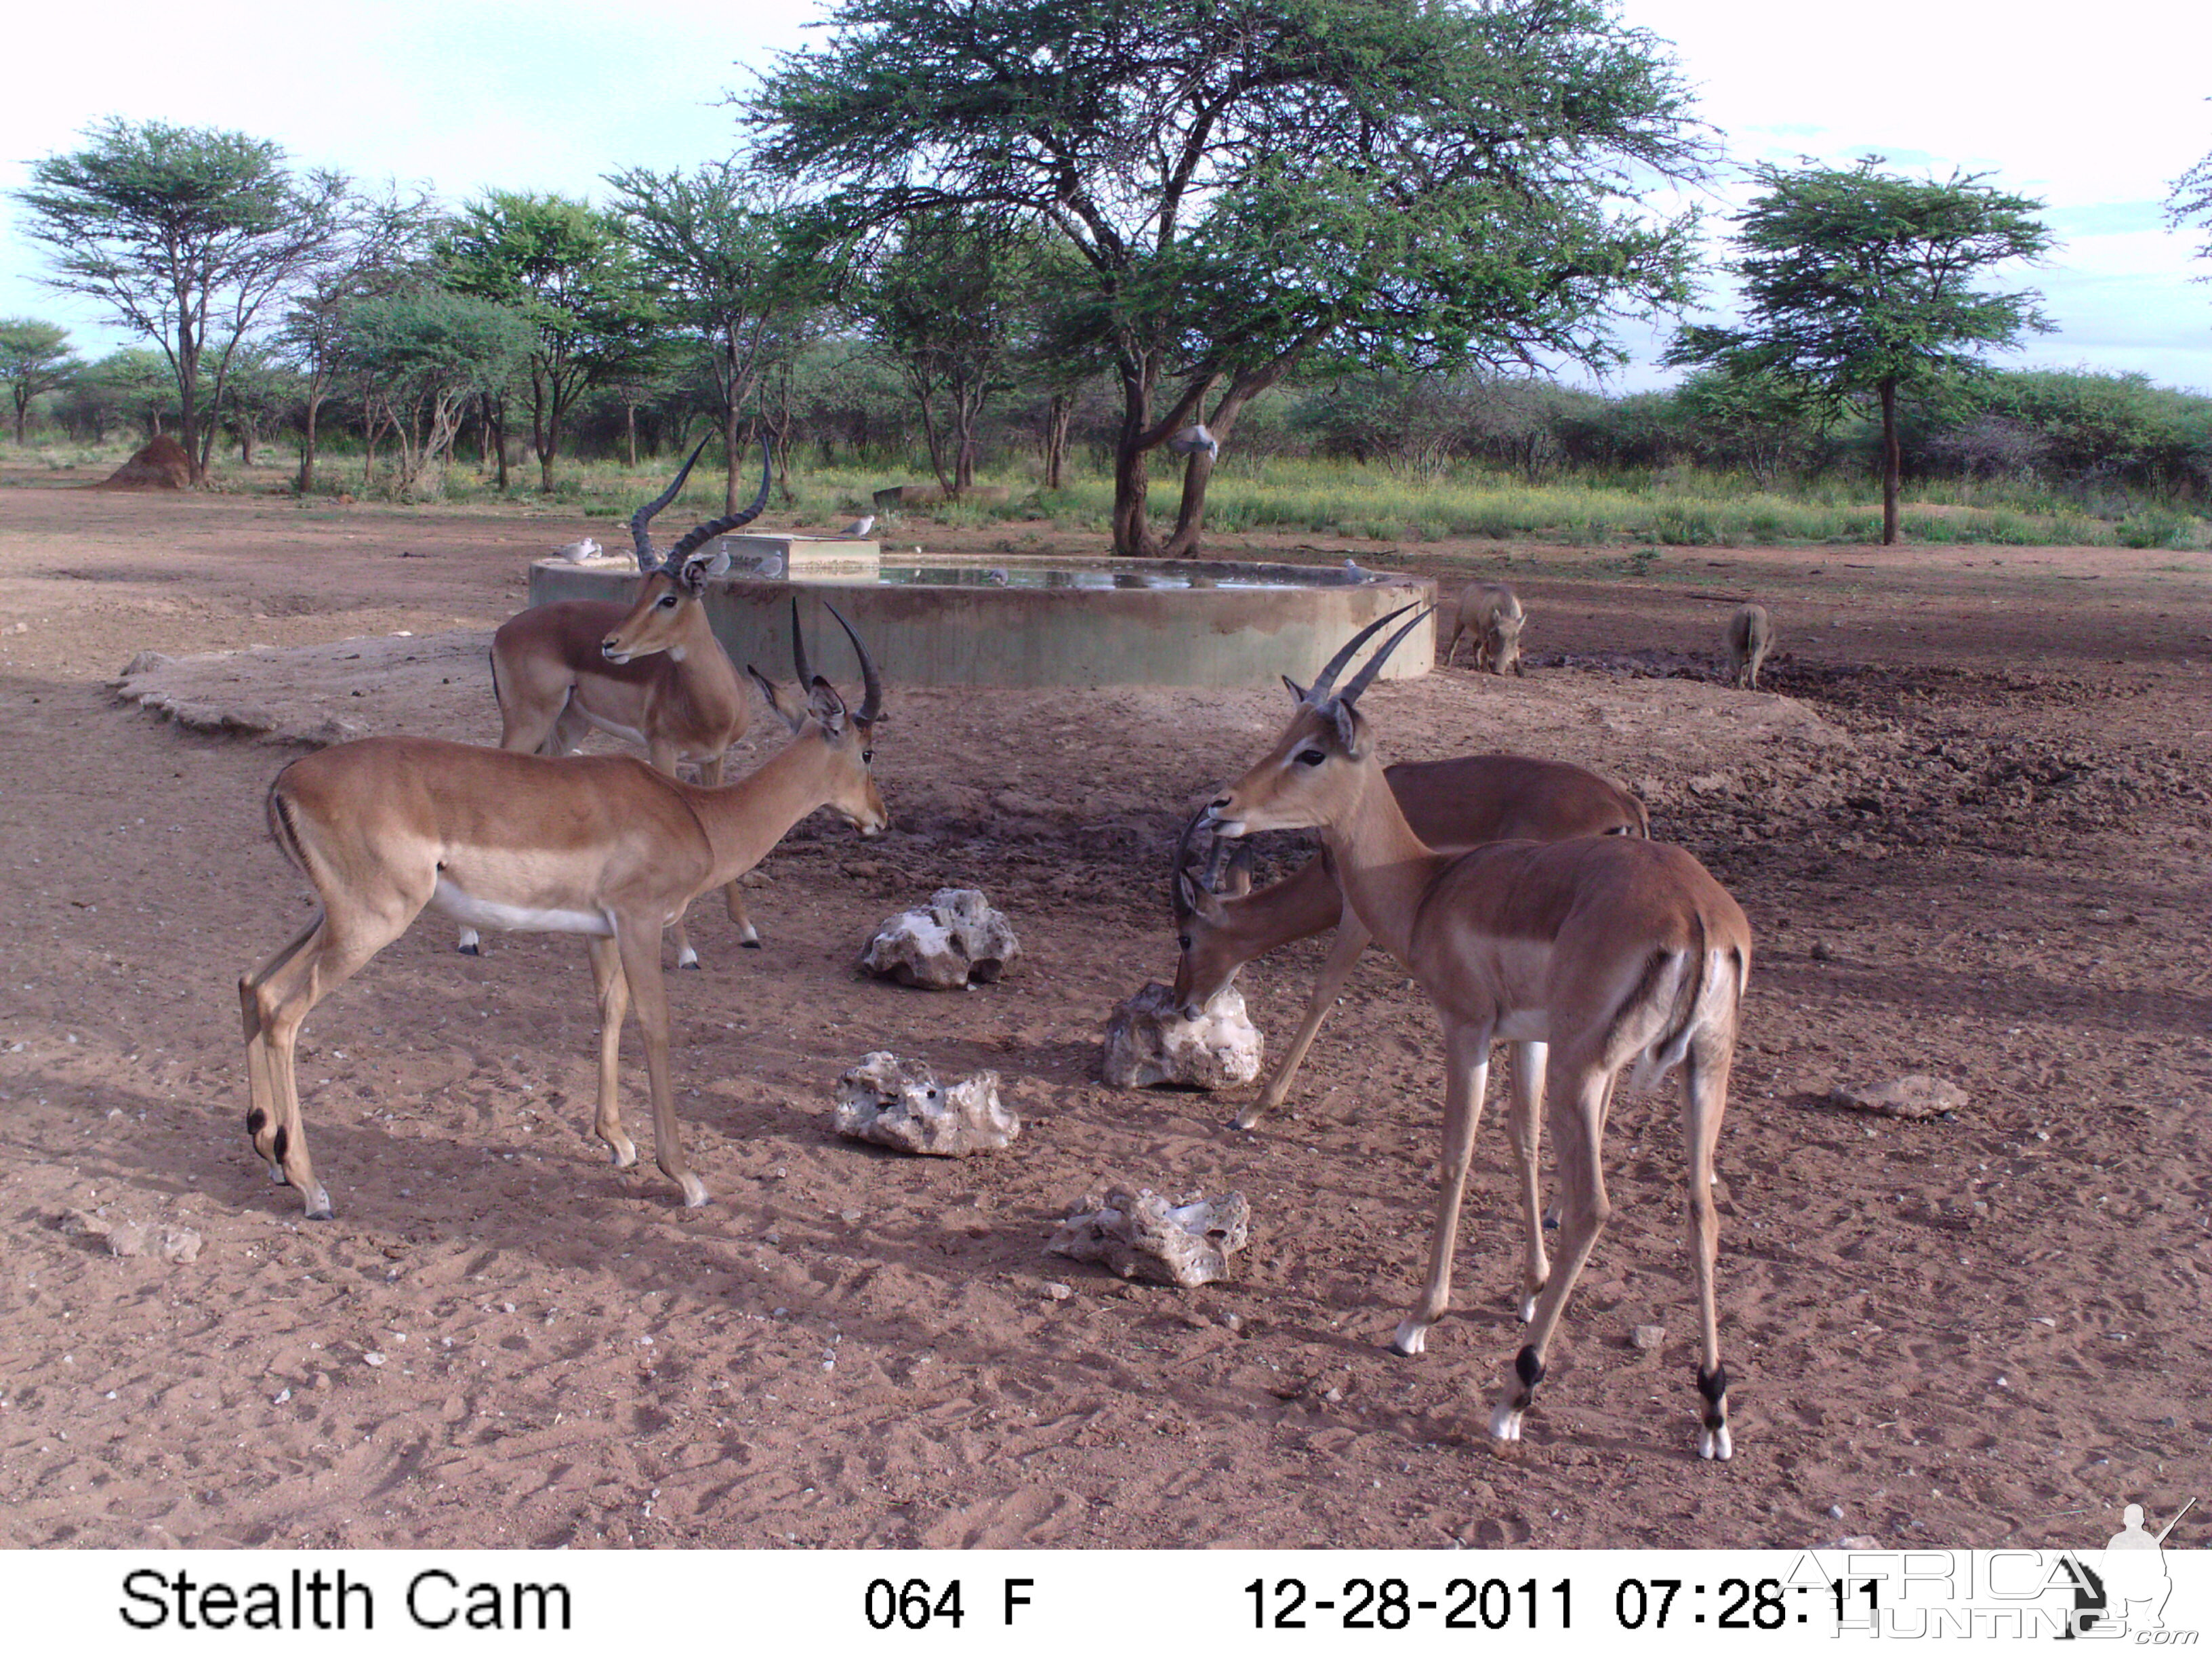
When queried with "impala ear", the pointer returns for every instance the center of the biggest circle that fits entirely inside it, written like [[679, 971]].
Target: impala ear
[[1236, 880], [784, 700], [826, 705], [1198, 902], [1298, 692], [1351, 729]]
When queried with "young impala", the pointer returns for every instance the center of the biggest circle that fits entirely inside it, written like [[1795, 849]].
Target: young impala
[[1607, 950], [649, 671], [600, 844], [1452, 804]]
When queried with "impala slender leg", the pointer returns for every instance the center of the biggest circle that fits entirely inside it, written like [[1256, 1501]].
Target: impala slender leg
[[262, 1111], [1352, 938], [1525, 1133], [640, 965], [1578, 1123], [1467, 1074], [1704, 1097], [305, 972], [663, 754], [710, 775], [614, 1003]]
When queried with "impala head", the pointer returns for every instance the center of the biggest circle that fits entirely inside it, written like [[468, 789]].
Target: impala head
[[1322, 761], [1209, 951], [673, 585], [849, 735]]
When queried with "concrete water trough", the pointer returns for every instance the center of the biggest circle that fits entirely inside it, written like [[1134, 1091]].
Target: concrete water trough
[[1026, 621]]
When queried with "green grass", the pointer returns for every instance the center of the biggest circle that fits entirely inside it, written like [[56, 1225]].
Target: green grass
[[1676, 507]]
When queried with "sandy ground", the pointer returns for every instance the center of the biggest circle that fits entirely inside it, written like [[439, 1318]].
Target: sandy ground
[[1969, 822]]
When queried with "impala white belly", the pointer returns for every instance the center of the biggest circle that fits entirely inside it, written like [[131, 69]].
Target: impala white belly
[[516, 918]]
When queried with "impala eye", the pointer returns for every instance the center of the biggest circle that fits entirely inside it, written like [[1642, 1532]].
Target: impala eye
[[1183, 939], [867, 757], [668, 602], [1311, 757]]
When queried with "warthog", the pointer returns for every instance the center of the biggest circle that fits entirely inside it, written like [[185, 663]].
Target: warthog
[[1750, 635], [1489, 613]]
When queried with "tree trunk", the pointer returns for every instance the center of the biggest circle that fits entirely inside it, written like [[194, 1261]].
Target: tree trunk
[[732, 448], [1190, 515], [22, 408], [1890, 463], [630, 435], [1133, 533], [305, 481], [545, 430], [1059, 414], [923, 396], [188, 419]]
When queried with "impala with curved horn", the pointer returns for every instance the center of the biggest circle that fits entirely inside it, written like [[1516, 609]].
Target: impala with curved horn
[[650, 671], [1452, 805], [601, 845], [1607, 951]]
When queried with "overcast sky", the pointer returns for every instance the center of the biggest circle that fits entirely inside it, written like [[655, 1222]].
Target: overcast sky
[[2094, 111]]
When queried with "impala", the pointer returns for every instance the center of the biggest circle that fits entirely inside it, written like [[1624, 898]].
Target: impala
[[650, 672], [1609, 952], [601, 845], [1452, 805]]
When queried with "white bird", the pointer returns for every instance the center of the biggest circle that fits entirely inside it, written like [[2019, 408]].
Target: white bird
[[859, 526], [1353, 573], [577, 552], [1194, 438]]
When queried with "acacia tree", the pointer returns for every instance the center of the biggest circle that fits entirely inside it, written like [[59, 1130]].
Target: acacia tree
[[2191, 202], [730, 269], [566, 269], [134, 383], [379, 245], [418, 357], [185, 233], [34, 357], [1416, 183], [949, 304], [259, 387], [1858, 285]]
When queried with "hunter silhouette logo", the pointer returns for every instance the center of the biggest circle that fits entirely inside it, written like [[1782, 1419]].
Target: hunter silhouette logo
[[2126, 1589]]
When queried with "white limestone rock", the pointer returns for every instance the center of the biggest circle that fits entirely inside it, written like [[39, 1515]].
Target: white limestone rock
[[954, 941], [1140, 1235], [1149, 1042], [900, 1103]]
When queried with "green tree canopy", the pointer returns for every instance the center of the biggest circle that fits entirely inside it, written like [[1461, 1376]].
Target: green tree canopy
[[950, 306], [417, 356], [1415, 182], [381, 244], [1859, 284], [730, 270], [566, 268], [34, 357], [185, 233]]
